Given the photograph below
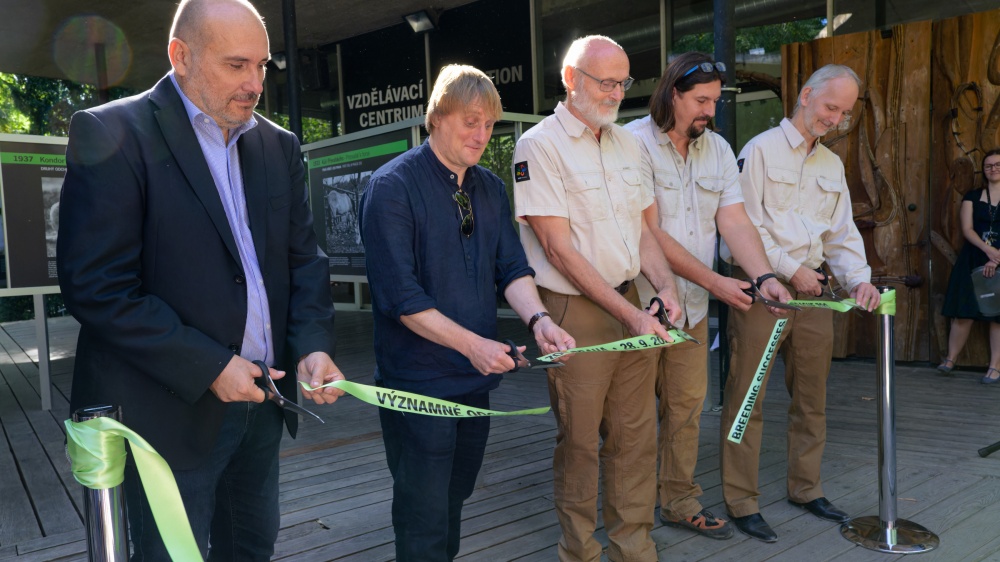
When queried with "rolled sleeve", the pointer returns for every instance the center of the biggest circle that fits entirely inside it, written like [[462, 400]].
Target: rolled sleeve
[[387, 231]]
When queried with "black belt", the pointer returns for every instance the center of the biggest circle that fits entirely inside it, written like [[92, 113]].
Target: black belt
[[624, 287]]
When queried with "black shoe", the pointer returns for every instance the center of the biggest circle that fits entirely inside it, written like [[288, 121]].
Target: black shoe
[[754, 526], [822, 508]]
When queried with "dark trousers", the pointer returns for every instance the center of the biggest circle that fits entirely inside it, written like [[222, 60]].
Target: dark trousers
[[434, 462], [231, 500]]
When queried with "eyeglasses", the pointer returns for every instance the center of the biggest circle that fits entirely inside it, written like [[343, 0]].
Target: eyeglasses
[[988, 167], [610, 85], [465, 211], [707, 67]]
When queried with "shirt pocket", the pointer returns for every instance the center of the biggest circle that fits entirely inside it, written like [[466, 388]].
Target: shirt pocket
[[668, 193], [708, 193], [632, 183], [781, 188], [829, 190], [585, 197]]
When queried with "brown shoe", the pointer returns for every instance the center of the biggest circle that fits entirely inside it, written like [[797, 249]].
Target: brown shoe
[[703, 523]]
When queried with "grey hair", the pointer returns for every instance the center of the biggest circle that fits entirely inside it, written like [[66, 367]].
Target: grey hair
[[578, 51], [821, 77]]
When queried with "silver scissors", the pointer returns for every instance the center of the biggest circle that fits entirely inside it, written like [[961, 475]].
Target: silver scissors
[[829, 292], [266, 383]]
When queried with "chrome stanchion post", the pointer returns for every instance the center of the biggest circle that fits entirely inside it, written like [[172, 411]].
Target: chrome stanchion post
[[887, 533], [104, 510]]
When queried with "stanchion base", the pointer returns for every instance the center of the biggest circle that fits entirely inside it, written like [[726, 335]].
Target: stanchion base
[[910, 538]]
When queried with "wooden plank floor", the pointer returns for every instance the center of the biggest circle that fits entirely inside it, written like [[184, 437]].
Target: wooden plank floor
[[336, 490]]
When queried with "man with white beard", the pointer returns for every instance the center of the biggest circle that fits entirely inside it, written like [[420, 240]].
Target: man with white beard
[[579, 195]]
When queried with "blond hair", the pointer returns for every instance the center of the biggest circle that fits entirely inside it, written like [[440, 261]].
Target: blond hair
[[458, 86]]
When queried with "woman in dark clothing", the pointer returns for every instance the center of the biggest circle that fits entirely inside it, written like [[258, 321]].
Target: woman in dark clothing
[[981, 228]]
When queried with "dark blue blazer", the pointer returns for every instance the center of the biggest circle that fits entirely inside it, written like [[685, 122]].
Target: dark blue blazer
[[148, 264]]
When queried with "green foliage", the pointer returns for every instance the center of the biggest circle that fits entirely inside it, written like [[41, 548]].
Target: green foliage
[[43, 106], [497, 158], [13, 309], [313, 129], [768, 37]]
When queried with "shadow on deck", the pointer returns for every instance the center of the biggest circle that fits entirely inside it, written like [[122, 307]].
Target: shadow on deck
[[336, 490]]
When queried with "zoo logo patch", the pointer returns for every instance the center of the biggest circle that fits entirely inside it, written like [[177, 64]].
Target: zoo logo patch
[[521, 171], [739, 164]]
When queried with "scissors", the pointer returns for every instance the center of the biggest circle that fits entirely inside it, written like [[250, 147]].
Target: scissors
[[754, 293], [266, 383], [661, 315], [829, 292], [518, 358]]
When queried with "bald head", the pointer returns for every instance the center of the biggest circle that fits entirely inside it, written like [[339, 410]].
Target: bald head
[[193, 18], [590, 48]]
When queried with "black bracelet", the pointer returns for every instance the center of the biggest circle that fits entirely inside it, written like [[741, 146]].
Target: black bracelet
[[534, 320], [760, 280]]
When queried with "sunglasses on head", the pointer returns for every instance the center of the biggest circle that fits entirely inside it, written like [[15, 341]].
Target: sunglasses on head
[[707, 67]]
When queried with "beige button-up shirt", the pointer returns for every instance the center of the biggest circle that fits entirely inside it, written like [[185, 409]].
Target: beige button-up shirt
[[688, 195], [562, 170], [801, 205]]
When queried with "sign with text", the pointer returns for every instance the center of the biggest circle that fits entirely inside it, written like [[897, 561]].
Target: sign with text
[[31, 175], [338, 175], [384, 77], [495, 37]]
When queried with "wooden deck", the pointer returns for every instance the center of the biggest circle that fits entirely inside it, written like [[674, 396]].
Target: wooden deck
[[336, 489]]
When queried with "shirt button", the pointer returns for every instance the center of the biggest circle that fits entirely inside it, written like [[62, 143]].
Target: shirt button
[[239, 279], [234, 348], [689, 209]]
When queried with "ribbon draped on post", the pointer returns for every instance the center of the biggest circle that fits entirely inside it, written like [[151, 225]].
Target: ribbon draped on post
[[96, 450], [887, 306]]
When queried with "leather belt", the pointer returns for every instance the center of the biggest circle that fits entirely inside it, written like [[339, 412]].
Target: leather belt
[[624, 287]]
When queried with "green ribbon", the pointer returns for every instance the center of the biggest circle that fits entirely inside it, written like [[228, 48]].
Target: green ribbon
[[96, 450], [402, 401], [743, 414], [887, 304], [637, 343]]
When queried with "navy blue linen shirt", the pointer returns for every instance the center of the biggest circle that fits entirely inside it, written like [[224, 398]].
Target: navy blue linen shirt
[[418, 259]]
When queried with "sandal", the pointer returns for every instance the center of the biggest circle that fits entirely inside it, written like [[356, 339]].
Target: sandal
[[991, 379], [946, 366]]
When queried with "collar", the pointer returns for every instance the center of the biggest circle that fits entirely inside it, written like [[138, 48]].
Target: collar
[[794, 137], [664, 139], [443, 171], [196, 115], [573, 126]]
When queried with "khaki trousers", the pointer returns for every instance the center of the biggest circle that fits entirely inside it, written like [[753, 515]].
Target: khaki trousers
[[681, 384], [606, 428], [806, 345]]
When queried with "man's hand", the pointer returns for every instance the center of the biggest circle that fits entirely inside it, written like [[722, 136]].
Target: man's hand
[[552, 338], [867, 296], [317, 369], [730, 291], [236, 382], [671, 303], [772, 289], [807, 281], [490, 357]]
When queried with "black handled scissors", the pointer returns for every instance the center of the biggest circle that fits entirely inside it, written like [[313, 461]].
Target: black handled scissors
[[829, 292], [518, 358], [754, 293], [266, 383], [661, 315]]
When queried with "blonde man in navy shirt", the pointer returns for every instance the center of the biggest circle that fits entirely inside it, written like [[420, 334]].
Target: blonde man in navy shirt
[[440, 249]]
